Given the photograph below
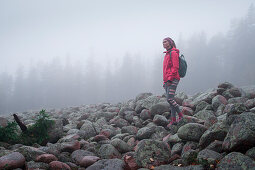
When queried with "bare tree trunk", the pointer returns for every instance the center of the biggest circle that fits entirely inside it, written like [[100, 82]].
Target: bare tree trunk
[[21, 125]]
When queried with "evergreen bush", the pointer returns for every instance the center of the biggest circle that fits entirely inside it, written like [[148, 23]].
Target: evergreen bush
[[36, 133]]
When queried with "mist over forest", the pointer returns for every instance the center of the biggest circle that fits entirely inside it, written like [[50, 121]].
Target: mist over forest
[[62, 83]]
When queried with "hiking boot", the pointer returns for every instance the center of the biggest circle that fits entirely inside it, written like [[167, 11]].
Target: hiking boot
[[180, 116], [173, 122]]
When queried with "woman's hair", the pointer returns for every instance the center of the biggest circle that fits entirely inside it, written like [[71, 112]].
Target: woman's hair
[[171, 42]]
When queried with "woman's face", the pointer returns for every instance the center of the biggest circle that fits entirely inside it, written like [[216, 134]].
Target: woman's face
[[166, 44]]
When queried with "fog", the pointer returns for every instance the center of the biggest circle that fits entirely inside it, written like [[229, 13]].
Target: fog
[[67, 53]]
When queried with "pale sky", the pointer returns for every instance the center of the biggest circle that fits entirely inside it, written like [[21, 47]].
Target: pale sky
[[43, 29]]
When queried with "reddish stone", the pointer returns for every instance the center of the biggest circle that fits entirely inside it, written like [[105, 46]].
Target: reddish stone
[[88, 160], [174, 157], [130, 162], [98, 138], [12, 161], [105, 132], [178, 100], [71, 146], [46, 158], [188, 104], [187, 111], [56, 165]]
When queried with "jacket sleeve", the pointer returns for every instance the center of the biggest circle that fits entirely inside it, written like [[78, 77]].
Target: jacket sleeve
[[175, 68]]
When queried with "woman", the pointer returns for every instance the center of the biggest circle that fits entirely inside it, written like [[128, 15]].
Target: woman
[[171, 77]]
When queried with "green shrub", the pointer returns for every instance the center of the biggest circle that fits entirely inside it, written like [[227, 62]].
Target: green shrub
[[9, 133], [37, 133]]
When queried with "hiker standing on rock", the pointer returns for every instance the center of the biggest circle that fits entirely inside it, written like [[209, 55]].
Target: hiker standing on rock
[[171, 77]]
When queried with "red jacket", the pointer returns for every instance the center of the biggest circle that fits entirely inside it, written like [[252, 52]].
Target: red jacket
[[171, 66]]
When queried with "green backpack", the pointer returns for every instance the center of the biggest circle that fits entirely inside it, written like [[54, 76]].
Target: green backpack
[[182, 65]]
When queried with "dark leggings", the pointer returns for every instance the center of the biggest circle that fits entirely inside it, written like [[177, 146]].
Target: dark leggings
[[170, 88]]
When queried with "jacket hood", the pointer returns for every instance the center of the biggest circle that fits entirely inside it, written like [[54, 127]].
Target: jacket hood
[[173, 49]]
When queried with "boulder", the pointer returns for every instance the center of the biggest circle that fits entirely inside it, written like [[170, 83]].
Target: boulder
[[177, 149], [130, 161], [191, 132], [236, 92], [132, 130], [209, 156], [98, 125], [237, 100], [160, 120], [251, 153], [12, 161], [29, 152], [56, 165], [189, 146], [233, 110], [215, 146], [78, 155], [217, 101], [159, 108], [120, 145], [114, 164], [220, 110], [150, 153], [142, 96], [241, 134], [56, 131], [148, 102], [46, 158], [189, 157], [225, 85], [250, 103], [159, 133], [119, 122], [187, 111], [172, 139], [108, 151], [70, 146], [216, 132], [172, 167], [37, 165], [145, 114], [88, 160], [145, 133], [236, 160], [87, 130]]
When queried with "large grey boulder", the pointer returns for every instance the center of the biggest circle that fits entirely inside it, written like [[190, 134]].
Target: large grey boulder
[[145, 133], [56, 131], [29, 152], [88, 130], [236, 160], [191, 131], [119, 122], [217, 101], [120, 145], [216, 132], [233, 110], [151, 152], [210, 156], [147, 102], [159, 108], [108, 151], [108, 164], [241, 134]]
